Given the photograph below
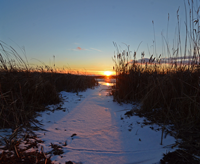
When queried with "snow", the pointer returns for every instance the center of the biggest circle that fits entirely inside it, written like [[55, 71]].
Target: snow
[[92, 129], [96, 131]]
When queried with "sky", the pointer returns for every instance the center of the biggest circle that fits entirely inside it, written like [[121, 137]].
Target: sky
[[80, 33]]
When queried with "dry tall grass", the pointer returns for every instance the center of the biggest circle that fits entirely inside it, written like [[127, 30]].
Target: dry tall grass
[[25, 90], [169, 91]]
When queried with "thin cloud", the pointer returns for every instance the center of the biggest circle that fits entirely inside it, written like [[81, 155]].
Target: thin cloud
[[170, 60], [79, 48], [96, 49], [76, 49]]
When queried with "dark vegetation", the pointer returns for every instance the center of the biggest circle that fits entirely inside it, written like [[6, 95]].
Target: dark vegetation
[[167, 89], [25, 91]]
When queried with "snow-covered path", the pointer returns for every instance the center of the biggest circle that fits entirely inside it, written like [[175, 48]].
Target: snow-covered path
[[96, 131]]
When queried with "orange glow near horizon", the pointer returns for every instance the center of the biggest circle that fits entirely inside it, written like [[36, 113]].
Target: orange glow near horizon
[[80, 72]]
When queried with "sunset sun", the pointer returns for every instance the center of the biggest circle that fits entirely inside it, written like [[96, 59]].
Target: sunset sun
[[107, 73]]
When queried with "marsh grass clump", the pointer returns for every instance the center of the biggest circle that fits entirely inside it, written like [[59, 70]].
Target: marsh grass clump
[[167, 87], [14, 152], [24, 90], [168, 96]]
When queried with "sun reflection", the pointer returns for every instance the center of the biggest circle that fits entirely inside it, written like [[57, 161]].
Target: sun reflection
[[108, 84]]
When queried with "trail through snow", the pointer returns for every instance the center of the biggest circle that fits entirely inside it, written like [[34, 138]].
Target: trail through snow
[[96, 131]]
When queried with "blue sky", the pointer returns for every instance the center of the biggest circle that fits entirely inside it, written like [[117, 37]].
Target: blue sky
[[80, 33]]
